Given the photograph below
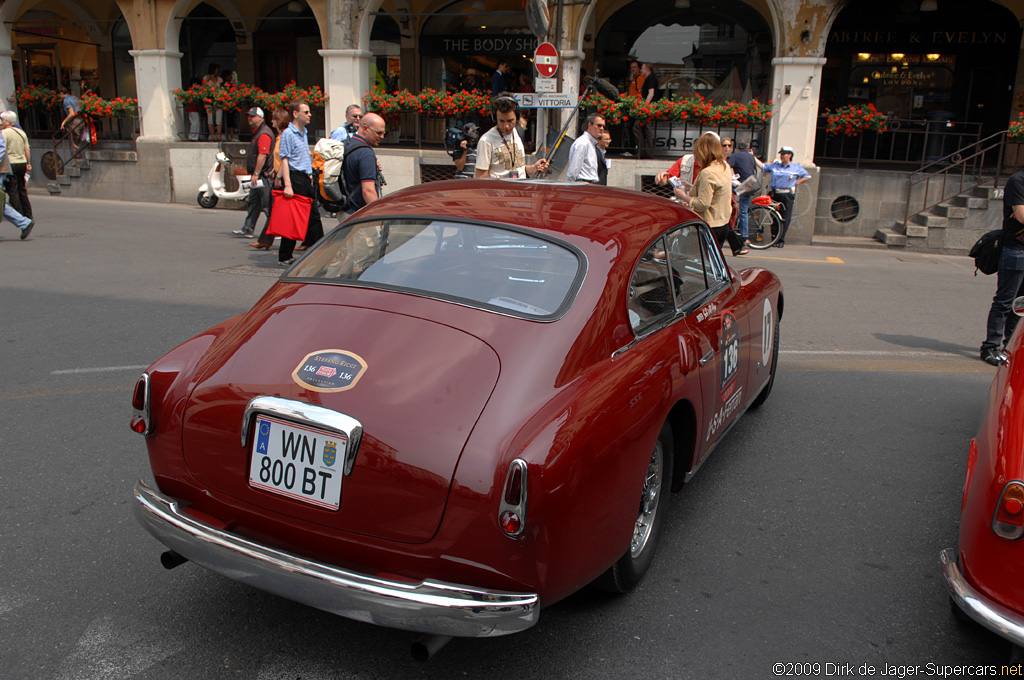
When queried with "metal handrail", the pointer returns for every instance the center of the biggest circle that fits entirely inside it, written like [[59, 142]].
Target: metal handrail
[[973, 155], [64, 135]]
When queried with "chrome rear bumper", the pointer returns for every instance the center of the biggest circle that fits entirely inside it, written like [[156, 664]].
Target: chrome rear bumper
[[992, 615], [425, 607]]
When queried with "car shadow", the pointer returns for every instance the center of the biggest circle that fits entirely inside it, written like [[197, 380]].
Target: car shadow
[[917, 342]]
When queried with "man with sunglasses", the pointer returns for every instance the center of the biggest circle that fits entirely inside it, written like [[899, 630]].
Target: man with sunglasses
[[297, 173], [584, 157], [363, 179], [353, 114]]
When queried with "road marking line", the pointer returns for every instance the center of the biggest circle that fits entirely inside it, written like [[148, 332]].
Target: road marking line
[[65, 393], [872, 353], [101, 369], [827, 260], [886, 366]]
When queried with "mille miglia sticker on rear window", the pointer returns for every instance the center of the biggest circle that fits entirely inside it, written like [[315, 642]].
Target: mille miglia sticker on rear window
[[329, 370]]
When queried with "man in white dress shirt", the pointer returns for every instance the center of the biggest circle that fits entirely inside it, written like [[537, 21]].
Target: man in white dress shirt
[[584, 157]]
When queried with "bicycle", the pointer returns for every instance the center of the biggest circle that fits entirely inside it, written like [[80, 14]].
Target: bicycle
[[764, 222]]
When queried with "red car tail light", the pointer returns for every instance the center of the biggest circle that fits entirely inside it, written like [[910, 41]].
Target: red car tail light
[[972, 458], [512, 510], [141, 421], [1008, 519]]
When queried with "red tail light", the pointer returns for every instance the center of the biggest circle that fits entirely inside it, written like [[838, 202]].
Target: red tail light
[[141, 421], [512, 510], [1008, 519]]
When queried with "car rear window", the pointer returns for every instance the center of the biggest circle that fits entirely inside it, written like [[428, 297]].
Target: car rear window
[[491, 267]]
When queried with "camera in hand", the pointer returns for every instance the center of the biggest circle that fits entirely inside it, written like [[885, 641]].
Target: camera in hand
[[453, 139]]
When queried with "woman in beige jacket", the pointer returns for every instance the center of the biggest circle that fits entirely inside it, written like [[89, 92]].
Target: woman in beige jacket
[[712, 191]]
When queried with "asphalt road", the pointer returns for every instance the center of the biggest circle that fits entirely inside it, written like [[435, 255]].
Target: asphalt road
[[810, 536]]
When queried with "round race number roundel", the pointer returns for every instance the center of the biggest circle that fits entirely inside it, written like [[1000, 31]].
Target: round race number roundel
[[545, 59]]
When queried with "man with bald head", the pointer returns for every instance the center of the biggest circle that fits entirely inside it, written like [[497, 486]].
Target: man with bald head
[[362, 176]]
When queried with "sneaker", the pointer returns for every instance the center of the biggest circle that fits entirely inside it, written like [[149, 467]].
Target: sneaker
[[27, 230], [627, 155], [242, 232], [992, 355], [285, 263]]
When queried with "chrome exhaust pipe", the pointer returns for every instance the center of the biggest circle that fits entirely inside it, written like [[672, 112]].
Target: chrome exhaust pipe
[[429, 645], [170, 559]]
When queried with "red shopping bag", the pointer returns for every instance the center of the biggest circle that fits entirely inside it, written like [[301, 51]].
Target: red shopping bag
[[290, 216]]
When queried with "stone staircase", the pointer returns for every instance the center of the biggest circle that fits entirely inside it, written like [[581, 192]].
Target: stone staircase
[[76, 180], [71, 173], [949, 228]]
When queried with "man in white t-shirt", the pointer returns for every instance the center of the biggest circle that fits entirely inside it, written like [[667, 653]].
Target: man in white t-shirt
[[500, 153]]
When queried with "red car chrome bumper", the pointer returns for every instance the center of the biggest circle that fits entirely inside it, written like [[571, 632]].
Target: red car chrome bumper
[[426, 607], [994, 616]]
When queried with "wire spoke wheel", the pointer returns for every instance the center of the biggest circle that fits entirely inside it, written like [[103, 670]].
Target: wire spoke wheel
[[649, 499], [764, 225]]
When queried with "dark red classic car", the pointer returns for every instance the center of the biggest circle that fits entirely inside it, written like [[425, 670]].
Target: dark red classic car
[[984, 573], [460, 406]]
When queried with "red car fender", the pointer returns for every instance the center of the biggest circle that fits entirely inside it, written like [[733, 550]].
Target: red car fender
[[993, 564], [172, 378]]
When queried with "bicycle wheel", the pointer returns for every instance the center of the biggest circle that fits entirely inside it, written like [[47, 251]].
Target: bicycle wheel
[[760, 222]]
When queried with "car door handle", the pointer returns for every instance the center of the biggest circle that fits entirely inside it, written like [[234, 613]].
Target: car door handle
[[707, 357]]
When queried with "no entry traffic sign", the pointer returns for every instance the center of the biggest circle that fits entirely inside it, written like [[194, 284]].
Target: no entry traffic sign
[[545, 59]]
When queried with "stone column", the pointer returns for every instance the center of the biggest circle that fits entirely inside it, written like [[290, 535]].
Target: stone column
[[570, 62], [797, 86], [794, 119], [7, 78], [157, 72], [346, 80]]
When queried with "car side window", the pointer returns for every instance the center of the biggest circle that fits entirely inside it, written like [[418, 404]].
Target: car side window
[[650, 293], [714, 266], [687, 262]]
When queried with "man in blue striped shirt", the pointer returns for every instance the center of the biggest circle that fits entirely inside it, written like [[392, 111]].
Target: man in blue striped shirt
[[296, 171]]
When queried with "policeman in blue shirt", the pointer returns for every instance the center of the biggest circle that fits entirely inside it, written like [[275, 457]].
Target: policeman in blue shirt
[[297, 171], [786, 176]]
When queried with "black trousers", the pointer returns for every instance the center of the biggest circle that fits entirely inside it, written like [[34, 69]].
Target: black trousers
[[787, 212], [723, 234], [18, 193], [302, 185]]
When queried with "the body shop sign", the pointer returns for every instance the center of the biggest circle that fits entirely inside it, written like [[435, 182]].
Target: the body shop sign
[[476, 45]]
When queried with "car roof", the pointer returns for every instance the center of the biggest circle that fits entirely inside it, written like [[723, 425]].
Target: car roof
[[598, 214]]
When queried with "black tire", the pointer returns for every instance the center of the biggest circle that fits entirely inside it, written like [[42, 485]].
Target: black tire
[[764, 226], [760, 399], [629, 569], [205, 201]]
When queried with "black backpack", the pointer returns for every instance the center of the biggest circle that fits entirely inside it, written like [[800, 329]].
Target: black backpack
[[986, 252]]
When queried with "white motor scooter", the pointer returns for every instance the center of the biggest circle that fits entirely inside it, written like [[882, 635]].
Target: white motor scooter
[[214, 188]]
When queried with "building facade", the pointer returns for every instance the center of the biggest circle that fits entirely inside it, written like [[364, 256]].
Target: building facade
[[912, 59]]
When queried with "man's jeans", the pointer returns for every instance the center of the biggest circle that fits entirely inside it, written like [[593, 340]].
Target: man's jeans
[[256, 202], [1001, 319], [741, 219], [12, 215]]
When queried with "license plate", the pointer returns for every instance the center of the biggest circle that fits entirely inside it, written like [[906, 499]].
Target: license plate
[[299, 462]]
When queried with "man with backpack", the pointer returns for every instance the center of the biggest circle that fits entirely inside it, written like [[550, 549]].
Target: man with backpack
[[1001, 319], [258, 168], [363, 179]]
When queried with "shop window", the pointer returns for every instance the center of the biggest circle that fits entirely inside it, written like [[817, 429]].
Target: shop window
[[719, 50]]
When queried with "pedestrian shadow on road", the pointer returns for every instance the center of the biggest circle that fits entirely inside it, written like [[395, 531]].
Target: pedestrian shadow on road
[[917, 342]]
